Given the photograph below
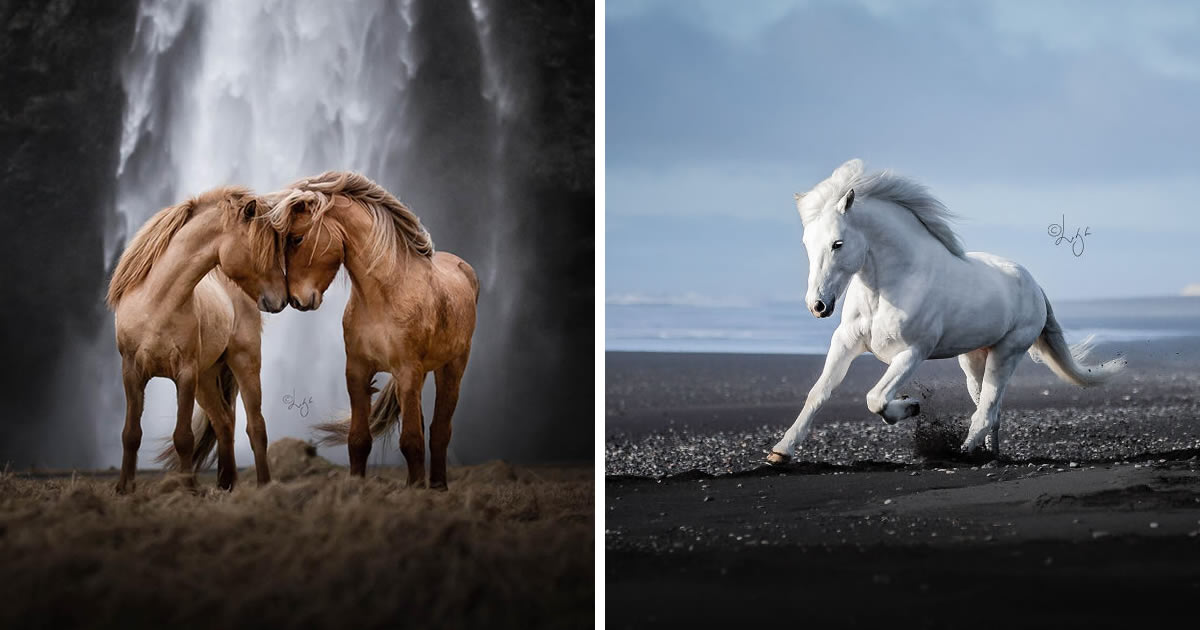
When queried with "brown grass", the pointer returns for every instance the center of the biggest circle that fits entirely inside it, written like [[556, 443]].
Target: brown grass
[[505, 547]]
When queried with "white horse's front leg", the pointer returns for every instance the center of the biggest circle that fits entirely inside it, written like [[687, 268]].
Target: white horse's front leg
[[996, 375], [882, 398], [842, 351]]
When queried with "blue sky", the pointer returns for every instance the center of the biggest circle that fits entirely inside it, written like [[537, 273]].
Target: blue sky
[[1013, 113]]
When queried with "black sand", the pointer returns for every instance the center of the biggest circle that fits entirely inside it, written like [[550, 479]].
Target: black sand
[[1091, 517]]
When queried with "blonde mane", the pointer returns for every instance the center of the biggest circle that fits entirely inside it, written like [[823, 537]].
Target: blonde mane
[[152, 240], [392, 222]]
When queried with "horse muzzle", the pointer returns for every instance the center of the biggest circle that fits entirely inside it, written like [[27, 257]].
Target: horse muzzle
[[821, 308], [269, 305], [311, 304]]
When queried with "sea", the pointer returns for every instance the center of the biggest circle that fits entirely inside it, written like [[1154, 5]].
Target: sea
[[783, 327]]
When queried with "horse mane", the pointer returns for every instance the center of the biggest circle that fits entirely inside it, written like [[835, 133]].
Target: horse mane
[[392, 221], [902, 191], [153, 238]]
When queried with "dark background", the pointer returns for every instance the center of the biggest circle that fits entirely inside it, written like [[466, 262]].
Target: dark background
[[60, 123]]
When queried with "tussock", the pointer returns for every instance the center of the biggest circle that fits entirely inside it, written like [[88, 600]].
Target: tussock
[[504, 547]]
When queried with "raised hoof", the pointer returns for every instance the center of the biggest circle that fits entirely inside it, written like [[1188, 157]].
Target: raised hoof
[[778, 459]]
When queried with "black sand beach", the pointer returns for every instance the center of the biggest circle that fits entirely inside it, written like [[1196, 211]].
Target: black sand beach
[[1090, 518]]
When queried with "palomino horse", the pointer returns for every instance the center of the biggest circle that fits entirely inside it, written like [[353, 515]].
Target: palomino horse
[[180, 294], [914, 294], [411, 311]]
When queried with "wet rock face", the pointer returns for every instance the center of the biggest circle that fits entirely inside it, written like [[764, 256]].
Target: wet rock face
[[291, 458], [60, 122]]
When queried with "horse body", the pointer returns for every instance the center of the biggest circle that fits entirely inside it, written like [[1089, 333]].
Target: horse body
[[180, 314], [912, 294], [426, 317], [162, 340], [411, 311]]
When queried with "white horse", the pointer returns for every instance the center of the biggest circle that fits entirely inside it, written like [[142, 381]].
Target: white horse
[[913, 294]]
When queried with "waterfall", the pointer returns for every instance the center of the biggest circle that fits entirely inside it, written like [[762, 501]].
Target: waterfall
[[259, 93]]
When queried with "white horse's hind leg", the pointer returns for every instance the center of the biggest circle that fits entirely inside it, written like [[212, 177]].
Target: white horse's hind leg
[[997, 372], [882, 398], [842, 351], [972, 364]]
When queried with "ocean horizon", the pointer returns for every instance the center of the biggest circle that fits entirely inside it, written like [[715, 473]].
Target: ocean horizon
[[702, 324]]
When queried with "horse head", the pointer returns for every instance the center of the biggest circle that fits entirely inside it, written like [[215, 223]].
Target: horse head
[[314, 245], [836, 249], [252, 256]]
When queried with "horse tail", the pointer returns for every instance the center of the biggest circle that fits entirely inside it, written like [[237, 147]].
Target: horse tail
[[385, 412], [1068, 361], [204, 452]]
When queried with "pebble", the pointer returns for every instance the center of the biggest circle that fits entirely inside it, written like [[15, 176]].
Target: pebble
[[1069, 437]]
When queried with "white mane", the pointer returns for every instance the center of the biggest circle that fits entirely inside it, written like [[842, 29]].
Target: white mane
[[884, 186]]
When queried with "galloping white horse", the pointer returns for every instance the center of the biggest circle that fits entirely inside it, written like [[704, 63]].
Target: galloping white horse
[[914, 294]]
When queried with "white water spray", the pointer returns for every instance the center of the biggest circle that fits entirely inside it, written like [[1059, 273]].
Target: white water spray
[[259, 93]]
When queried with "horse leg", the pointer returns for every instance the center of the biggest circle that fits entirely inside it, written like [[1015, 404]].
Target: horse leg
[[1001, 362], [412, 423], [358, 439], [842, 351], [972, 364], [882, 398], [131, 436], [212, 400], [448, 377], [246, 364], [185, 398]]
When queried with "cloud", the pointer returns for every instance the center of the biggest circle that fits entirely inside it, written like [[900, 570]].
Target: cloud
[[966, 89], [1014, 113]]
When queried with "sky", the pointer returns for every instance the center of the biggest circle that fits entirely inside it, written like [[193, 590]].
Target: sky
[[1016, 114]]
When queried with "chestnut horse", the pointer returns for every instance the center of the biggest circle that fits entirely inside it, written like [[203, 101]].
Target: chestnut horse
[[411, 311], [181, 297]]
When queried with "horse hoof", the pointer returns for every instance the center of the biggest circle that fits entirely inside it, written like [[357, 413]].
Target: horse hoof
[[440, 486], [914, 410], [778, 459], [888, 421]]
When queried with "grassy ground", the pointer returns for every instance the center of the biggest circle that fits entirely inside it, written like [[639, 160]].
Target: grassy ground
[[506, 546]]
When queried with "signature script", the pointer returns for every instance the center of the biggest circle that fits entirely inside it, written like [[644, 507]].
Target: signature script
[[1058, 232], [302, 405]]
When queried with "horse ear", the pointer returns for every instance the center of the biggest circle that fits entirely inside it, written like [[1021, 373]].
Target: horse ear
[[249, 209], [846, 202], [798, 197]]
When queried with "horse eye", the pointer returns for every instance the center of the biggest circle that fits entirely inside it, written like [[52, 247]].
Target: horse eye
[[837, 244], [294, 241]]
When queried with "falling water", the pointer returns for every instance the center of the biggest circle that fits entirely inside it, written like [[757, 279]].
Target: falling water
[[259, 93]]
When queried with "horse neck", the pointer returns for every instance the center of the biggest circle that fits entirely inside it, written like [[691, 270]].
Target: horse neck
[[900, 249], [371, 278], [191, 254]]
